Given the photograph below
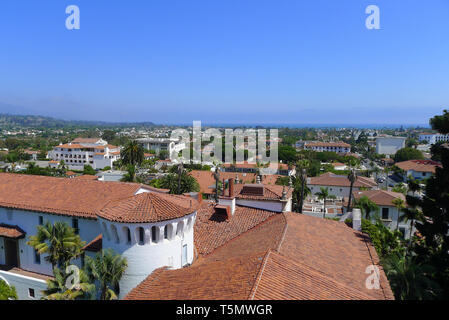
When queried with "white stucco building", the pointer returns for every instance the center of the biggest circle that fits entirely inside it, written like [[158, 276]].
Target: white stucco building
[[389, 145], [338, 185], [83, 151], [418, 169], [387, 213], [433, 138], [339, 147], [151, 229], [162, 144]]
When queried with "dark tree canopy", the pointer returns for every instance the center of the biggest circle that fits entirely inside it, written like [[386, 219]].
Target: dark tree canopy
[[407, 153]]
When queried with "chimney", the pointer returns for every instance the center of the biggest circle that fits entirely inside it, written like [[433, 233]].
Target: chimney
[[231, 188], [356, 219]]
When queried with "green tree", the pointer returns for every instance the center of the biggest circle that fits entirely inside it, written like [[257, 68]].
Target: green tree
[[7, 292], [132, 153], [58, 241], [410, 279], [57, 287], [366, 205], [89, 170], [324, 195], [188, 183], [108, 135], [407, 153], [399, 204], [106, 268], [433, 245]]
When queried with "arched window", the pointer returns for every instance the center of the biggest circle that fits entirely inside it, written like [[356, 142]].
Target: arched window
[[141, 233], [189, 223], [115, 234], [105, 231], [127, 235], [154, 234], [180, 229]]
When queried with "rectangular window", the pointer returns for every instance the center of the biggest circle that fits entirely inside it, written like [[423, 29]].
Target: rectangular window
[[75, 225], [37, 257], [41, 220], [31, 292], [385, 214]]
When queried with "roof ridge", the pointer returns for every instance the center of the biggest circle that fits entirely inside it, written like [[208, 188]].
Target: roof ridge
[[387, 296], [259, 275]]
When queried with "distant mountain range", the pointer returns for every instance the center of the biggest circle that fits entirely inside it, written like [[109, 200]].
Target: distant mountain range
[[33, 121]]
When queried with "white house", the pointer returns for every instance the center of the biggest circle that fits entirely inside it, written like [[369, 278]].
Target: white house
[[418, 169], [389, 145], [387, 213], [83, 151], [162, 144], [339, 185]]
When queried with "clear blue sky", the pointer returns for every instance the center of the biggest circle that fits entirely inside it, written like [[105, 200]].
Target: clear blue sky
[[226, 61]]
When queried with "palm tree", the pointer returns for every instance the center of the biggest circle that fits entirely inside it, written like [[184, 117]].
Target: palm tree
[[130, 175], [413, 185], [324, 195], [59, 241], [107, 268], [352, 178], [409, 280], [367, 206], [400, 206], [57, 289], [411, 214], [132, 153], [387, 171]]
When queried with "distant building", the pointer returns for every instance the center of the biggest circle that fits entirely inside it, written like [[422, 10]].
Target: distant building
[[339, 147], [418, 169], [389, 145], [162, 144], [338, 185], [82, 151], [433, 138], [388, 213]]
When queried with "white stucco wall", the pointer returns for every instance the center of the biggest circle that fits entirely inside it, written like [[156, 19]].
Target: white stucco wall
[[143, 259], [28, 222], [23, 284]]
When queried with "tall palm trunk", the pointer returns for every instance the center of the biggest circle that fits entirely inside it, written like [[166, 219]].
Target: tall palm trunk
[[324, 208]]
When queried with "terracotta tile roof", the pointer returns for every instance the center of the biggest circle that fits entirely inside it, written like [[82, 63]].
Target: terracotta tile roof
[[343, 257], [289, 256], [213, 230], [95, 245], [418, 165], [148, 207], [13, 232], [205, 179], [73, 146], [270, 178], [86, 177], [379, 197], [331, 179], [72, 197], [285, 279]]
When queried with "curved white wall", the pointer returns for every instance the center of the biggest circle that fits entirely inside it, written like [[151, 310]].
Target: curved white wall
[[144, 258]]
